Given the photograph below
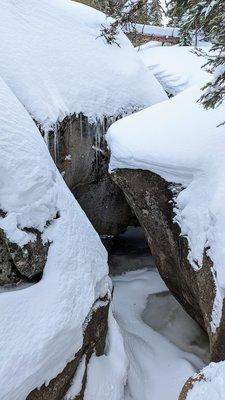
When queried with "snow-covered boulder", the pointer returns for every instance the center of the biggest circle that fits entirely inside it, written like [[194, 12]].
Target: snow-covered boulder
[[46, 328], [169, 160], [73, 84], [207, 385]]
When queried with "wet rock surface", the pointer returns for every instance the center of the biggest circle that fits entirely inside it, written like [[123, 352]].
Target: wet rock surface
[[79, 149], [151, 198]]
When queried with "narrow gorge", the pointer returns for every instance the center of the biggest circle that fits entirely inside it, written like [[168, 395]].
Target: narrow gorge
[[112, 225]]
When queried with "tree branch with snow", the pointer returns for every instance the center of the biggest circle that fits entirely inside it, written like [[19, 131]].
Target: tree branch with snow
[[123, 18]]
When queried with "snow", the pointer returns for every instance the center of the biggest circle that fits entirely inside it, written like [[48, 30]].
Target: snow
[[157, 368], [186, 147], [212, 386], [176, 67], [56, 63], [153, 30], [152, 43], [42, 325], [128, 6], [77, 382], [106, 375]]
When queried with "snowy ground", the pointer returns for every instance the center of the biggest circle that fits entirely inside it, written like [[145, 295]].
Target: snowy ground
[[163, 344], [158, 368]]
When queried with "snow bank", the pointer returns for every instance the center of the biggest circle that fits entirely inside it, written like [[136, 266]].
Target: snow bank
[[176, 67], [41, 325], [52, 58], [212, 386], [180, 141]]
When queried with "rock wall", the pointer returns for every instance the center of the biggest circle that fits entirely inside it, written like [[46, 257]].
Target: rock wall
[[151, 198], [79, 150]]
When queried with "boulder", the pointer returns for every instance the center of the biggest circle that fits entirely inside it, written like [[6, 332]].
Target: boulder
[[46, 327], [80, 152], [151, 198], [22, 264]]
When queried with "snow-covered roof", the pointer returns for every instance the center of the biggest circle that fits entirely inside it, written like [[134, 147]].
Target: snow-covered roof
[[41, 325], [53, 60], [182, 142], [176, 67]]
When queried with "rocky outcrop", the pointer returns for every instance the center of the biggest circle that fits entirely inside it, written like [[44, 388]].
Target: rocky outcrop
[[79, 149], [151, 198], [22, 264], [95, 331]]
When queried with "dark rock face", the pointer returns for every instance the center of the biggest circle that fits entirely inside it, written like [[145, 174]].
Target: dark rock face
[[81, 155], [94, 341], [151, 199], [22, 264]]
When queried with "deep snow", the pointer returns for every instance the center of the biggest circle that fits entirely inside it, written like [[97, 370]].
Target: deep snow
[[51, 49], [106, 377], [42, 325], [157, 368], [176, 67]]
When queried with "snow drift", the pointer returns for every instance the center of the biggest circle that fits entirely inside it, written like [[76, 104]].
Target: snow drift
[[176, 67], [41, 325], [57, 64]]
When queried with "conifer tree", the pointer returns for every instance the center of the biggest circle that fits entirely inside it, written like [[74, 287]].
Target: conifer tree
[[213, 25], [207, 17], [125, 15], [155, 13], [177, 12]]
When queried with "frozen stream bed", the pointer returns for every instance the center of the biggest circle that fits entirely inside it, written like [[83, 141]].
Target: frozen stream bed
[[164, 345]]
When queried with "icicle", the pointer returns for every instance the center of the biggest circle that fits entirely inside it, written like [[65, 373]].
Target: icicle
[[55, 143], [81, 126], [46, 138]]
